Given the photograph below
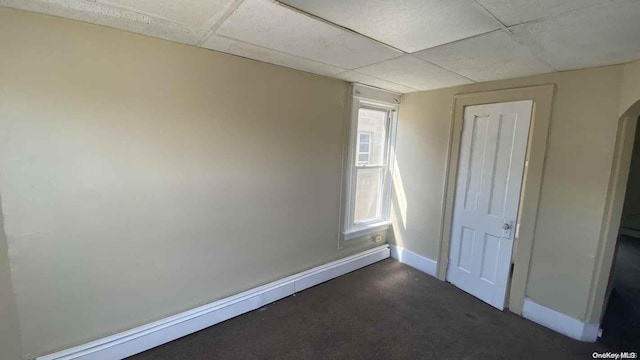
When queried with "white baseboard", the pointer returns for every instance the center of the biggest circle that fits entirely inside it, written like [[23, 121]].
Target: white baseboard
[[414, 260], [148, 336], [560, 322]]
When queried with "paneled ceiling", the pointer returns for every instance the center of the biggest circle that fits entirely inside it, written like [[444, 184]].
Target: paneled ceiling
[[398, 45]]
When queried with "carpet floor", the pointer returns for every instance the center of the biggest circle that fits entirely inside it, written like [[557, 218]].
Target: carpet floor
[[384, 311]]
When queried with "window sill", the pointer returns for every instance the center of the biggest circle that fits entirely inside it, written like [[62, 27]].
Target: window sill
[[368, 229]]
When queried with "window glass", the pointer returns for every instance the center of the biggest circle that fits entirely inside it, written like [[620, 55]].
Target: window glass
[[364, 148], [368, 195], [372, 128]]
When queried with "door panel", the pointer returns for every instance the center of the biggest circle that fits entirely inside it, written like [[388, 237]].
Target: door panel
[[490, 171]]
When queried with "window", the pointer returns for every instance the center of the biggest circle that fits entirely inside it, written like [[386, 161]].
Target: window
[[369, 174], [368, 193]]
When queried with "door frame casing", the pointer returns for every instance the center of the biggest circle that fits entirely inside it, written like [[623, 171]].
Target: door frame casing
[[542, 97]]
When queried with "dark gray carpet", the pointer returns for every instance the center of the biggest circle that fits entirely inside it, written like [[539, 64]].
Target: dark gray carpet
[[384, 311]]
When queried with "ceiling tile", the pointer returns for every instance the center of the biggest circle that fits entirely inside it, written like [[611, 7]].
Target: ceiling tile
[[413, 72], [487, 57], [596, 36], [409, 25], [274, 26], [92, 12], [356, 77], [239, 48], [512, 12], [190, 12]]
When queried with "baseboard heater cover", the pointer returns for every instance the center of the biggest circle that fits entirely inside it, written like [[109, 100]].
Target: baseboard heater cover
[[148, 336]]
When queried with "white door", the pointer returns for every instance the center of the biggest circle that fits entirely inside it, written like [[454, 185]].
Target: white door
[[490, 170]]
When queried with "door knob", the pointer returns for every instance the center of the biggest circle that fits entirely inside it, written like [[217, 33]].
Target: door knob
[[506, 226]]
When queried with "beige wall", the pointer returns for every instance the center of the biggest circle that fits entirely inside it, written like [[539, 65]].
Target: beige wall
[[576, 175], [141, 178], [9, 327]]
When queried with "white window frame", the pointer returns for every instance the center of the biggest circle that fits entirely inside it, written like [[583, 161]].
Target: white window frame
[[367, 97]]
